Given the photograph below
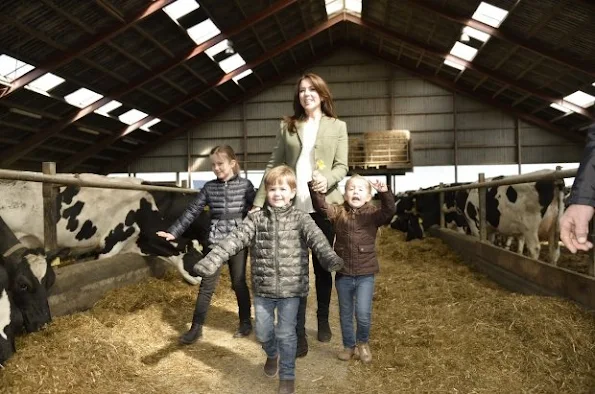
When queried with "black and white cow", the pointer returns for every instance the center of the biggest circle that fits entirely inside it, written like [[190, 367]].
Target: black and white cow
[[527, 211], [30, 276], [101, 221], [10, 319]]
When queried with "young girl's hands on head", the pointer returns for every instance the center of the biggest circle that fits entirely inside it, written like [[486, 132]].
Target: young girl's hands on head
[[379, 186], [167, 236]]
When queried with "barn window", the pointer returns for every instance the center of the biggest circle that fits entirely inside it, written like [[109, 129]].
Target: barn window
[[334, 6], [45, 82], [11, 68], [112, 105], [203, 31], [132, 116], [178, 9], [82, 97], [560, 108], [580, 98], [151, 123], [489, 14]]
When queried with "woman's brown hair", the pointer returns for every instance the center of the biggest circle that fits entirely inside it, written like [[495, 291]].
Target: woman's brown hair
[[326, 98], [231, 155]]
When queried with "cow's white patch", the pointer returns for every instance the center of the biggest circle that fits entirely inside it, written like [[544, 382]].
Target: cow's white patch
[[38, 265], [4, 314]]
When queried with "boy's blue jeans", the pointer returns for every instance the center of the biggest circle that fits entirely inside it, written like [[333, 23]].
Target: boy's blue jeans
[[280, 340], [355, 298]]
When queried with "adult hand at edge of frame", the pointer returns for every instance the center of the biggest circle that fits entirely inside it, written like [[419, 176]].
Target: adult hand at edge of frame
[[574, 227]]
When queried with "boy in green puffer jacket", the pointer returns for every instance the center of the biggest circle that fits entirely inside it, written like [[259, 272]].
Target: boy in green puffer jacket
[[279, 236]]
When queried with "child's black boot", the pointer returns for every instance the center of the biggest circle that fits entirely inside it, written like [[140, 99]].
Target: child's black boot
[[192, 335]]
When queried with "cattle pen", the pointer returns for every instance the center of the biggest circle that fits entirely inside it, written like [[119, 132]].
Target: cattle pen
[[512, 270], [79, 286]]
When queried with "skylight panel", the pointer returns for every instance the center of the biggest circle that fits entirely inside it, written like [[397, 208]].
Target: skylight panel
[[463, 51], [82, 97], [203, 31], [560, 108], [11, 68], [151, 123], [478, 35], [231, 63], [354, 6], [178, 9], [45, 82], [105, 109], [132, 116], [489, 14], [333, 6], [580, 98], [217, 48], [242, 75], [454, 65]]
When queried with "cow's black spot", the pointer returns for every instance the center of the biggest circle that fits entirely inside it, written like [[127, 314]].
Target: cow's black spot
[[87, 231], [118, 234], [66, 195], [471, 212], [71, 214], [130, 218], [492, 212], [545, 191], [511, 194]]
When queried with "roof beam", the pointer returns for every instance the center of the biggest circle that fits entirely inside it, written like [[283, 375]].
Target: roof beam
[[93, 149], [469, 92], [124, 160], [519, 85], [62, 58], [541, 50], [10, 156]]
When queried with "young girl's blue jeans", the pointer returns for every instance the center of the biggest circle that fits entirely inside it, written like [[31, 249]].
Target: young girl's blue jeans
[[280, 340], [355, 298]]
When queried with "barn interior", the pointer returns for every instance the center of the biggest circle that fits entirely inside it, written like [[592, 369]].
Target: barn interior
[[141, 86]]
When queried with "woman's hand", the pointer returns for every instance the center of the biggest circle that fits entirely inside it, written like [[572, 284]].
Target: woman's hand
[[319, 182], [254, 209], [167, 236]]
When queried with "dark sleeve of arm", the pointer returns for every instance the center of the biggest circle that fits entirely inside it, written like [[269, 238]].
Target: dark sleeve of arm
[[239, 239], [316, 241], [189, 215], [250, 195], [387, 208], [583, 188], [320, 205]]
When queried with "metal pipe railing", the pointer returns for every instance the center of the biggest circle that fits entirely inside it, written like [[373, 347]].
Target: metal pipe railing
[[69, 180]]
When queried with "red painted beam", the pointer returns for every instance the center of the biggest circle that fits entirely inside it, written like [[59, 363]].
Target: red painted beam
[[95, 148], [519, 85], [62, 58], [430, 77], [536, 48], [120, 163], [16, 152]]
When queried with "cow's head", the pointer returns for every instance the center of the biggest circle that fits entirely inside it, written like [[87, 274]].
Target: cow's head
[[31, 275], [10, 319]]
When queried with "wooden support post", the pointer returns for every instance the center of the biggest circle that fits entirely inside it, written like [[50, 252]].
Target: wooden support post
[[554, 240], [189, 161], [517, 127], [455, 137], [245, 140], [50, 212], [441, 202], [483, 234]]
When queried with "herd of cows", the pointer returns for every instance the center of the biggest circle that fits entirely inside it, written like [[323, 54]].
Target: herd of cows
[[106, 222], [526, 212], [103, 222]]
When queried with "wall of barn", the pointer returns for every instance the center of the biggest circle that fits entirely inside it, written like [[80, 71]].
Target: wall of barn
[[371, 96]]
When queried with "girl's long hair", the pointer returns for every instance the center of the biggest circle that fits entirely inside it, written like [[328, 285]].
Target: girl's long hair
[[231, 155], [327, 105]]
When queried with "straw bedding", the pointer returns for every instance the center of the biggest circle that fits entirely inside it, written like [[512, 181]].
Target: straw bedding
[[437, 327]]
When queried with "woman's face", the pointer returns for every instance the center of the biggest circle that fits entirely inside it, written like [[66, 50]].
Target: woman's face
[[309, 97], [222, 166]]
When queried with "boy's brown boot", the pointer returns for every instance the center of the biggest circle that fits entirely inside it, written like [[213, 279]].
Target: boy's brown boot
[[346, 354], [286, 386], [302, 346], [364, 352], [271, 366]]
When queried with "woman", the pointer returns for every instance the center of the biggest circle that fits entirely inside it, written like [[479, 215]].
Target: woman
[[312, 139]]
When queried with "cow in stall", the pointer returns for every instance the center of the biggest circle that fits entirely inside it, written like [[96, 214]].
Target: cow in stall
[[30, 276], [527, 211], [102, 221], [11, 320]]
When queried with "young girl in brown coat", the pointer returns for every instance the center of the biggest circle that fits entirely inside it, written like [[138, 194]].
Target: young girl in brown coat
[[356, 223]]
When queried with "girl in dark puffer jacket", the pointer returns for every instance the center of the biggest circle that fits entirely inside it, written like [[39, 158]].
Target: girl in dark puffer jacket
[[229, 197]]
